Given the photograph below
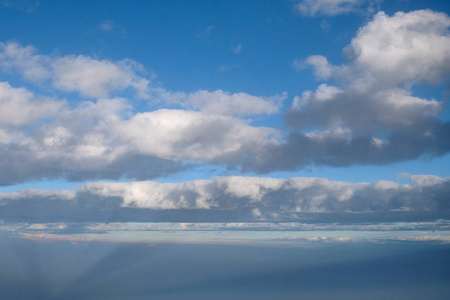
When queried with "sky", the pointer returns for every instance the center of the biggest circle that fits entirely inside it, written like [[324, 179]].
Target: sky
[[206, 126]]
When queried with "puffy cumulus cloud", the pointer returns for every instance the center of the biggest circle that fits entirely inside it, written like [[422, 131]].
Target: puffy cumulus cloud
[[25, 60], [76, 143], [20, 107], [327, 7], [96, 78], [188, 135], [103, 139], [322, 69], [234, 199], [371, 115], [403, 49], [82, 74]]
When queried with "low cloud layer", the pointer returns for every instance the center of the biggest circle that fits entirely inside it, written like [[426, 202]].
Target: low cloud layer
[[234, 199]]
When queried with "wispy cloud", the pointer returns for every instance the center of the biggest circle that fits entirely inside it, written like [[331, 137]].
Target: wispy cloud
[[237, 49], [205, 33], [29, 6], [107, 26], [314, 8]]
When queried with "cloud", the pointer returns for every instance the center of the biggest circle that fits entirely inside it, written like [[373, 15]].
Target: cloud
[[322, 69], [313, 8], [29, 6], [94, 78], [19, 107], [440, 225], [405, 49], [238, 104], [228, 67], [206, 32], [74, 73], [106, 26], [105, 140], [237, 49], [24, 60], [371, 115], [221, 102], [234, 199], [368, 115], [187, 135], [76, 144]]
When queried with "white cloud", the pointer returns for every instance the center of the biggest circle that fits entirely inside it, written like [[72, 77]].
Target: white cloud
[[220, 102], [30, 65], [322, 69], [20, 107], [39, 194], [77, 143], [403, 49], [206, 32], [323, 94], [426, 180], [103, 138], [28, 6], [327, 7], [106, 26], [223, 103], [181, 135], [95, 78], [225, 68], [82, 74], [237, 49]]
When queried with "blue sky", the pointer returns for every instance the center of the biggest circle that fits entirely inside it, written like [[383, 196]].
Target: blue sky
[[201, 130], [257, 48], [177, 91]]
